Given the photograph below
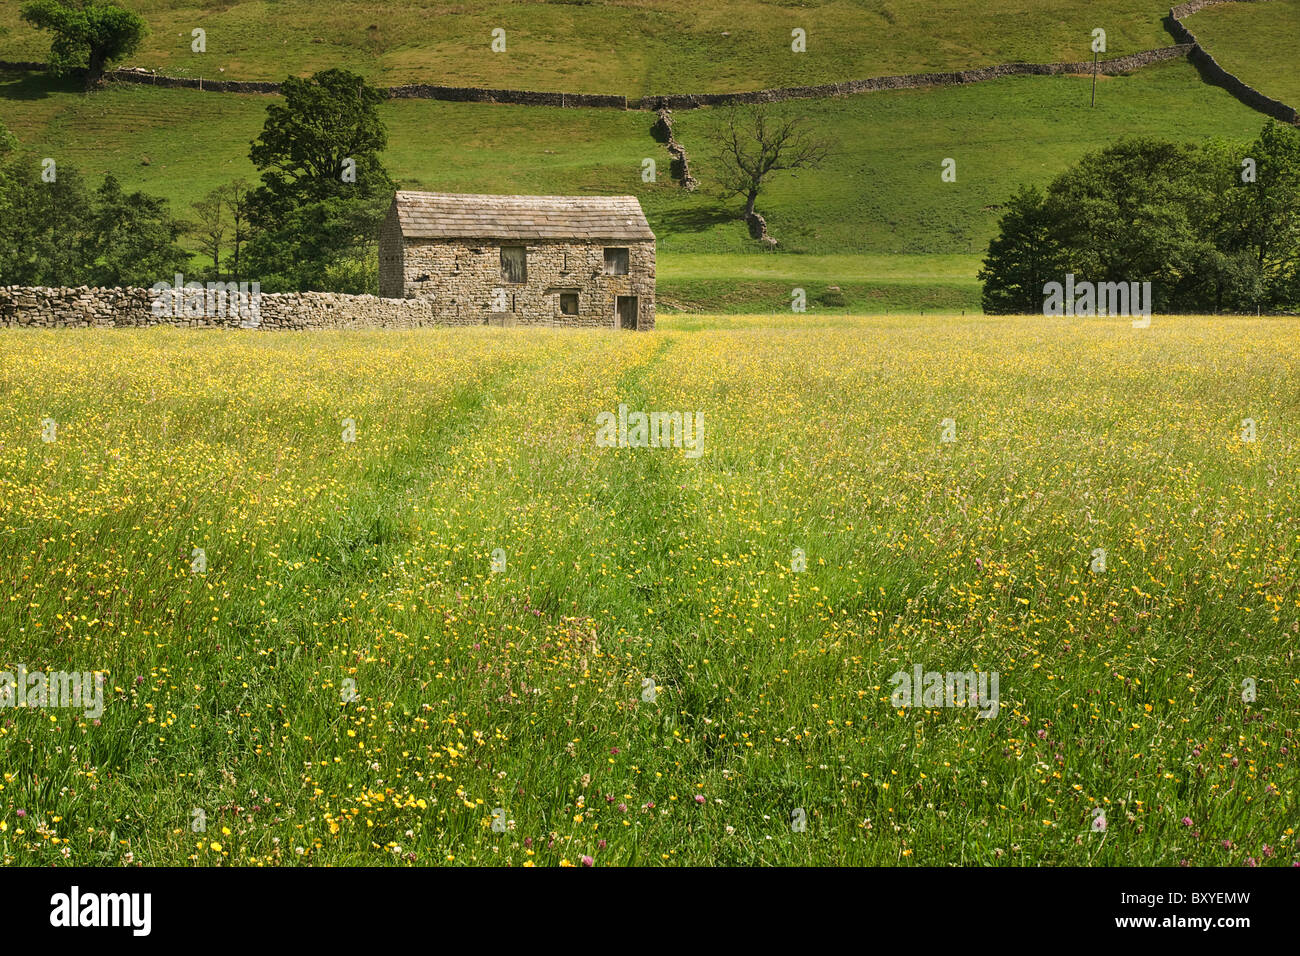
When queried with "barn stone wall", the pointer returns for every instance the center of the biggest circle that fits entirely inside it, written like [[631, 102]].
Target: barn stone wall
[[390, 256], [462, 280]]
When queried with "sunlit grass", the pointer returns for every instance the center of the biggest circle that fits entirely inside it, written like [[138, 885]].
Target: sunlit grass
[[370, 562], [631, 47]]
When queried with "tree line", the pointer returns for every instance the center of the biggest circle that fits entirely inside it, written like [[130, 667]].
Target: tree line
[[1213, 227], [311, 222]]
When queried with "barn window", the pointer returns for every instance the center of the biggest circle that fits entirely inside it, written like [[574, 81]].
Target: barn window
[[568, 303], [514, 264], [615, 262]]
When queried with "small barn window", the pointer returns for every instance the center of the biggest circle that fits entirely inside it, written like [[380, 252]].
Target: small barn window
[[568, 303], [616, 262], [514, 264]]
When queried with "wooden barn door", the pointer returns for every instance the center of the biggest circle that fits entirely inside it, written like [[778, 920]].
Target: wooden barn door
[[626, 308]]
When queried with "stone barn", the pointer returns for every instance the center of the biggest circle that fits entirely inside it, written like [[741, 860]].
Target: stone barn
[[521, 260]]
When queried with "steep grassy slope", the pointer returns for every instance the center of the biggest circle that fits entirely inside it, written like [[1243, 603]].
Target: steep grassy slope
[[631, 47]]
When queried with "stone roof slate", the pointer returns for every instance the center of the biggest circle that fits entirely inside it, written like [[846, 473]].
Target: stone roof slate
[[467, 216]]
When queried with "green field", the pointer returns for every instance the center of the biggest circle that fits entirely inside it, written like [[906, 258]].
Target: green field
[[632, 47], [649, 678], [1257, 42], [697, 282]]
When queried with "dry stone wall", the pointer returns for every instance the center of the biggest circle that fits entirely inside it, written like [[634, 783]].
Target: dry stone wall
[[58, 308], [473, 94], [84, 307], [1112, 67], [1196, 6], [1214, 73], [469, 94], [681, 164]]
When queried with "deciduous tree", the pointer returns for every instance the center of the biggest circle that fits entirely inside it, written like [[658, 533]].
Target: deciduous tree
[[755, 143], [88, 34]]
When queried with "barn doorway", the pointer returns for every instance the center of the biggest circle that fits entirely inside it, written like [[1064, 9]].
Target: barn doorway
[[625, 306]]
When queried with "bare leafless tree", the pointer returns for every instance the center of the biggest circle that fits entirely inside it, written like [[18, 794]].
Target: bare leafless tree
[[209, 226], [239, 202], [755, 143]]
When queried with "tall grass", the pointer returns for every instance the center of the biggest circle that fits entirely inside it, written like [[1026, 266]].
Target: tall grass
[[350, 681]]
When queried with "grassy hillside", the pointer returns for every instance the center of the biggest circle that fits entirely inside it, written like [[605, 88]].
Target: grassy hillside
[[1259, 42], [880, 190], [879, 193], [631, 47], [738, 283], [348, 682]]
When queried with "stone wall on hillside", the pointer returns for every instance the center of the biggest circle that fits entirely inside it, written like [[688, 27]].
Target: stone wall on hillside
[[1196, 6], [470, 94], [681, 164], [1214, 73], [474, 94], [1112, 67]]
